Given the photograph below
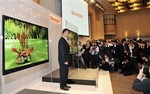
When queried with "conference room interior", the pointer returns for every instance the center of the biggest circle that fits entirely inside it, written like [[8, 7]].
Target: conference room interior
[[103, 26]]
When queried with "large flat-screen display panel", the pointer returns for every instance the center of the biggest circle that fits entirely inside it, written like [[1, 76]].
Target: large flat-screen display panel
[[76, 12], [24, 45], [73, 42]]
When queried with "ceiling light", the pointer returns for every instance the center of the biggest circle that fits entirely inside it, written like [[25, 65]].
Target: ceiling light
[[133, 1], [123, 5], [122, 0], [111, 0], [121, 11], [120, 7], [135, 5], [100, 7], [148, 3], [113, 4], [148, 6], [117, 3], [135, 8], [97, 5], [92, 1], [116, 8]]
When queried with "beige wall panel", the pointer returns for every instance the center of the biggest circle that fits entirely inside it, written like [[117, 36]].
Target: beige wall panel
[[133, 22]]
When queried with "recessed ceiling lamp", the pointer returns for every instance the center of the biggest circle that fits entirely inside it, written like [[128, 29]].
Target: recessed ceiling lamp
[[130, 1], [117, 3], [116, 8], [148, 6], [133, 1], [135, 5], [122, 0], [135, 8], [148, 3], [97, 5], [129, 4], [113, 4], [92, 1], [120, 7], [111, 0], [121, 11]]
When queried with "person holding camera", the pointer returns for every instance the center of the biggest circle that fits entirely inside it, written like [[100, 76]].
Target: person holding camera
[[79, 59], [142, 82], [86, 54], [94, 51]]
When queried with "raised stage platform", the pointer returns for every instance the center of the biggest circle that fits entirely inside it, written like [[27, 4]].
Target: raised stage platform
[[104, 87], [77, 75], [30, 91]]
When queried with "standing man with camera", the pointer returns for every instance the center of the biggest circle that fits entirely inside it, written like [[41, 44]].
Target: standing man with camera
[[64, 59], [142, 82], [94, 51]]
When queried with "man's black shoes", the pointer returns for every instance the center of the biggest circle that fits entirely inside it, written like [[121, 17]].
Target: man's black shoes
[[65, 88], [68, 86]]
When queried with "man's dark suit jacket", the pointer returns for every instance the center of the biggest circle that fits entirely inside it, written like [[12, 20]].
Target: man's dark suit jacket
[[122, 48], [63, 51], [63, 56], [142, 86]]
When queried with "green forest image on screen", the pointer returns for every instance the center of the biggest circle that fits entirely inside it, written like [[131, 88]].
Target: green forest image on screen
[[25, 43], [73, 42]]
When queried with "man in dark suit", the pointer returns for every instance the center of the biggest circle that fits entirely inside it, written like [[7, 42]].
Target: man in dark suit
[[64, 58], [123, 51]]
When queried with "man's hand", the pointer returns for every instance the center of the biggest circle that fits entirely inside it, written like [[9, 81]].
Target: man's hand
[[66, 63], [140, 75]]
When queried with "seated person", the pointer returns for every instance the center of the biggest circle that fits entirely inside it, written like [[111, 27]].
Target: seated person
[[126, 67], [142, 82], [107, 63]]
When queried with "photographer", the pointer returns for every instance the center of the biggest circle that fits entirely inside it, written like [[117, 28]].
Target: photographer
[[79, 59], [147, 49], [142, 83], [94, 51], [86, 54], [108, 63]]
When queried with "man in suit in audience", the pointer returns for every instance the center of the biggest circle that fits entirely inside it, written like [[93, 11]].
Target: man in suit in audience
[[123, 51], [64, 59]]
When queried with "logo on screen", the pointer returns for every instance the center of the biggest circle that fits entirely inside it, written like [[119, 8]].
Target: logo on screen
[[76, 14], [56, 20]]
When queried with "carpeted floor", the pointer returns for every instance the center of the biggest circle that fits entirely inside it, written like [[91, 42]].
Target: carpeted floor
[[122, 84]]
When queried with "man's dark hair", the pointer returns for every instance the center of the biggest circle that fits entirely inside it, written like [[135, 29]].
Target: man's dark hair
[[140, 40], [134, 39], [115, 41], [123, 40], [64, 30]]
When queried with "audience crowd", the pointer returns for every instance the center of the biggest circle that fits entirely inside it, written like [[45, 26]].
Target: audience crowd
[[125, 55]]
